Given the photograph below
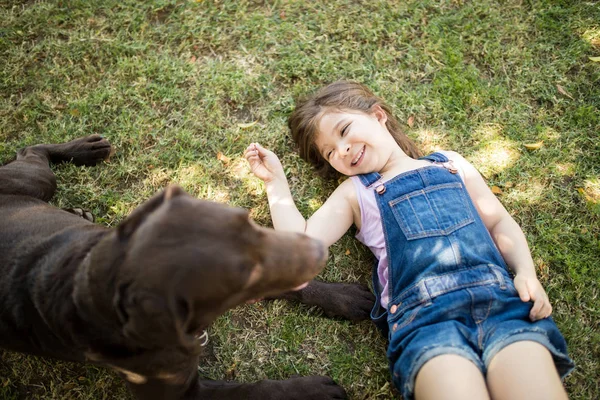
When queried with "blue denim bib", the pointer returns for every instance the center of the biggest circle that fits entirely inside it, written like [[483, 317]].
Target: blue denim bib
[[431, 228], [450, 289]]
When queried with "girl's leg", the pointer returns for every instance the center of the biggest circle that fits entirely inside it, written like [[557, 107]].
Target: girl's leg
[[450, 376], [524, 370]]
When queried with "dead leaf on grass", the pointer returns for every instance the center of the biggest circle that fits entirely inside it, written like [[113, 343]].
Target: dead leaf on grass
[[223, 158], [411, 121], [587, 196], [534, 146], [496, 190], [562, 91], [247, 125]]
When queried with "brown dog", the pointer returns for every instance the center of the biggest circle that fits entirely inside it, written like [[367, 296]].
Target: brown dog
[[139, 297]]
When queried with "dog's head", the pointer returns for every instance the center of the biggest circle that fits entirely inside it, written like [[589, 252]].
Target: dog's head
[[181, 262]]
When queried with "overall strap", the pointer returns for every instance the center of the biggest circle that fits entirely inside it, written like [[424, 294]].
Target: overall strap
[[435, 157], [369, 179]]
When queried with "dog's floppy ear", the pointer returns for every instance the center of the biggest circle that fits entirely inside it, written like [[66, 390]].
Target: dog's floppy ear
[[127, 227]]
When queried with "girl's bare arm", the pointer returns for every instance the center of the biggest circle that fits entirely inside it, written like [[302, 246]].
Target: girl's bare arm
[[509, 238], [327, 224]]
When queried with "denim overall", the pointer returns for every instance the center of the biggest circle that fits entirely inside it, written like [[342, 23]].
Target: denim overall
[[450, 289]]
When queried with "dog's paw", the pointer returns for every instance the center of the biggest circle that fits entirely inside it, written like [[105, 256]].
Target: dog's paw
[[89, 150], [80, 212], [349, 301]]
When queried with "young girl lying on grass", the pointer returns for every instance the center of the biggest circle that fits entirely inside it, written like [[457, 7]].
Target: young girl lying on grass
[[459, 326]]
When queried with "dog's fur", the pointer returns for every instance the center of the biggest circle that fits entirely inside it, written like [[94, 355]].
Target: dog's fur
[[138, 297]]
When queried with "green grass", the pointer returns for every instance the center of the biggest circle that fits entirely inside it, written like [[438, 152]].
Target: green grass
[[170, 82]]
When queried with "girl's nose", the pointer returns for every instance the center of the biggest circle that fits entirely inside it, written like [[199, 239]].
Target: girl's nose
[[344, 149]]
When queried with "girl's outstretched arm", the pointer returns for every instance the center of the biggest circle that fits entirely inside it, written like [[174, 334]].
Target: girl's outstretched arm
[[327, 224], [509, 239]]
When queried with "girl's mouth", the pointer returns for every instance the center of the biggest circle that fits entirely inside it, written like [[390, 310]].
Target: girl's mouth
[[358, 157]]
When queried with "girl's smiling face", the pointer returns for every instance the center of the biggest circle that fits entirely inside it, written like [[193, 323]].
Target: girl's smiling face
[[355, 143]]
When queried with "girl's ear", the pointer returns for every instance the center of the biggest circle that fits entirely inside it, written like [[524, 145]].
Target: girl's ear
[[380, 114]]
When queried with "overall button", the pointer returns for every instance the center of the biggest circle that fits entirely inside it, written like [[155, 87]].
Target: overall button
[[393, 309], [395, 327], [380, 189]]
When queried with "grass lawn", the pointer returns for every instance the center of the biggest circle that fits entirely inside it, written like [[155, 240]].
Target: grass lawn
[[180, 88]]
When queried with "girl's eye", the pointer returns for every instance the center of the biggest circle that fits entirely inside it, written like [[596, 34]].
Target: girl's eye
[[328, 154], [344, 130]]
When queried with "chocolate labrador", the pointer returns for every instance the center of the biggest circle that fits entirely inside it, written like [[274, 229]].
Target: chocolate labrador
[[138, 298]]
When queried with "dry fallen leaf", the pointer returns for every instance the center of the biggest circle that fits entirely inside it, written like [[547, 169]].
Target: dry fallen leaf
[[509, 184], [594, 59], [411, 121], [534, 146], [223, 158], [585, 195], [248, 125], [347, 252], [496, 190], [562, 91]]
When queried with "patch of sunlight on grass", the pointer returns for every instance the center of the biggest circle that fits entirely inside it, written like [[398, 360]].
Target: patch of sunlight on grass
[[158, 177], [530, 192], [592, 36], [487, 132], [591, 190], [193, 179], [209, 192], [565, 169], [122, 209], [549, 134], [495, 156], [189, 177], [315, 204], [430, 141], [254, 187], [239, 169], [248, 64]]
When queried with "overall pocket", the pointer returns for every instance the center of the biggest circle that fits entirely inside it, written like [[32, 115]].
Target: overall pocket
[[406, 315], [434, 211]]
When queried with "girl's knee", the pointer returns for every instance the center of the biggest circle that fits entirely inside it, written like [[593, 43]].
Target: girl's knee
[[450, 376], [524, 370]]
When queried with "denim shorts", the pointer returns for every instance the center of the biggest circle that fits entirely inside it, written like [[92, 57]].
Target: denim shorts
[[474, 313]]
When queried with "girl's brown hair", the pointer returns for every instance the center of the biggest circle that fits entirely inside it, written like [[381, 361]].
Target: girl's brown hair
[[338, 96]]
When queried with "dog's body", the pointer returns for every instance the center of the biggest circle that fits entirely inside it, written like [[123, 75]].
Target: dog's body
[[137, 298]]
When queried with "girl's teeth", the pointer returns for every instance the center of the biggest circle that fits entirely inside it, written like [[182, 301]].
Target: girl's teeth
[[357, 157]]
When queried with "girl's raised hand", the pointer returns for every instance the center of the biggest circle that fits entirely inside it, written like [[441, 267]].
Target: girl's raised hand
[[263, 163], [530, 289]]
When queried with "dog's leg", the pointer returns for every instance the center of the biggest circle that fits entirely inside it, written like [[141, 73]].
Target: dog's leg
[[346, 300], [30, 173], [298, 388], [189, 386]]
